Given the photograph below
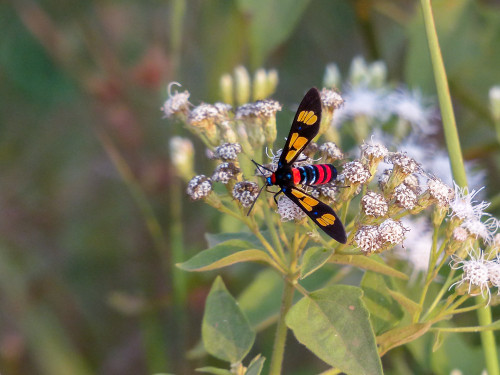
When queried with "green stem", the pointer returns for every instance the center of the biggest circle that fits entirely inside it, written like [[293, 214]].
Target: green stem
[[449, 124], [488, 339], [178, 11], [456, 160], [281, 330]]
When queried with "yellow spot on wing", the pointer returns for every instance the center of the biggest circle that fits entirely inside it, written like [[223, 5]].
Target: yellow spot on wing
[[301, 141], [307, 117], [328, 218]]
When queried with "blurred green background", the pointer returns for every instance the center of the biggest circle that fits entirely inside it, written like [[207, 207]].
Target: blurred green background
[[84, 286]]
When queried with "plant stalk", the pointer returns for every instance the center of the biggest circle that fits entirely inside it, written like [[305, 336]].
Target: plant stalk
[[457, 164]]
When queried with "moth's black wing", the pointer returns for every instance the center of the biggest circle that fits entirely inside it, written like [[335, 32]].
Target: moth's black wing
[[304, 128], [322, 214]]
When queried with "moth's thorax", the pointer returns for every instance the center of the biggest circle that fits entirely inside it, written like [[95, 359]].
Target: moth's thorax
[[284, 176]]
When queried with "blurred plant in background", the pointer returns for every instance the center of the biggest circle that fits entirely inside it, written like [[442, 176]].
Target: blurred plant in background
[[94, 215]]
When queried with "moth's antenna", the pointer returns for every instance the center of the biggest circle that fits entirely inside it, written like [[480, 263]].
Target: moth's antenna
[[259, 166], [255, 200]]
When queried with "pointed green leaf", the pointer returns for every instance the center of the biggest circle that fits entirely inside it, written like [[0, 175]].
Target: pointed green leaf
[[214, 370], [255, 367], [214, 239], [408, 304], [372, 263], [385, 312], [334, 324], [401, 335], [225, 254], [225, 330], [314, 258]]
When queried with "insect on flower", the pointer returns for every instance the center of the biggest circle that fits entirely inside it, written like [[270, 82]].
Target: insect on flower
[[305, 127]]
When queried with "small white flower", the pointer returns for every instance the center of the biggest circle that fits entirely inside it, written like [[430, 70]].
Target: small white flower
[[482, 229], [411, 106], [289, 210], [361, 101], [464, 206], [227, 151], [475, 271], [494, 273], [356, 172]]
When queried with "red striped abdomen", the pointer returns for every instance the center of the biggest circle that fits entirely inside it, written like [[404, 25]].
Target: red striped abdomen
[[317, 174]]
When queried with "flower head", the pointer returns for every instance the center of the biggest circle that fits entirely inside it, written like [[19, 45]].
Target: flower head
[[374, 204], [368, 238], [330, 152], [475, 271], [331, 99], [289, 210], [392, 232], [356, 172], [482, 229], [176, 104], [245, 192], [440, 192], [225, 172], [227, 151], [411, 107], [463, 205], [405, 197], [199, 187]]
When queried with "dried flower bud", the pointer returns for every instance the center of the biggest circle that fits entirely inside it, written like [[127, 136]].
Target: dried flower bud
[[176, 104], [374, 204], [330, 152], [289, 210], [440, 192], [373, 151], [405, 197], [225, 172], [245, 192], [205, 117], [403, 167], [260, 120], [392, 232], [356, 173], [331, 99], [368, 238], [199, 187], [227, 151], [324, 192], [413, 183]]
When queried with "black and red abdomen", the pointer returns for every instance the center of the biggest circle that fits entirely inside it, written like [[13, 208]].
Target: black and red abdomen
[[318, 174]]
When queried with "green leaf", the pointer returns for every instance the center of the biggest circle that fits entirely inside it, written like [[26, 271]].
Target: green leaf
[[214, 370], [214, 239], [385, 312], [408, 304], [372, 263], [314, 258], [225, 254], [225, 330], [334, 324], [399, 336], [261, 300], [255, 367]]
